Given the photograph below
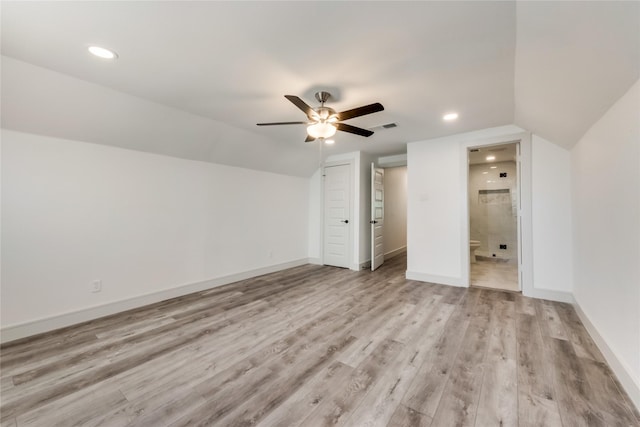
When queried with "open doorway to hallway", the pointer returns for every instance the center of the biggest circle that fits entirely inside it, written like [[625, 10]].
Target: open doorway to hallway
[[388, 214], [494, 216], [395, 206]]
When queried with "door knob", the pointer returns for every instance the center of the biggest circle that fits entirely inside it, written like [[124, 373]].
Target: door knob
[[373, 221], [346, 221]]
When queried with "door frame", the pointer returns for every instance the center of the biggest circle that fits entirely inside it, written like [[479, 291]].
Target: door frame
[[518, 206], [525, 241], [344, 162]]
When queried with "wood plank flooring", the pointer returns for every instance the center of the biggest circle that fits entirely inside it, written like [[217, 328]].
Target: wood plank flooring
[[319, 346]]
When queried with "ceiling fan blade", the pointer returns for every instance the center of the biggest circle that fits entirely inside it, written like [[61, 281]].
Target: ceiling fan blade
[[301, 105], [309, 138], [352, 129], [360, 111], [282, 123]]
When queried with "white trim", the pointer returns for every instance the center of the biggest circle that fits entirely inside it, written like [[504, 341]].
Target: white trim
[[315, 261], [395, 252], [22, 330], [551, 295], [618, 367], [440, 280], [525, 239]]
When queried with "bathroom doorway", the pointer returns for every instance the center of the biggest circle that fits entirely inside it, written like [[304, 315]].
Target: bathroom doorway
[[493, 185]]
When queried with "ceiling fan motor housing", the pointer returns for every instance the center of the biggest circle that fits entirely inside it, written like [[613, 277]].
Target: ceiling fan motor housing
[[326, 114]]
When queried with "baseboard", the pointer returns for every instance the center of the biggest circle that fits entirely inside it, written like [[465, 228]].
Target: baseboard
[[441, 280], [618, 367], [315, 261], [395, 253], [23, 330], [549, 295]]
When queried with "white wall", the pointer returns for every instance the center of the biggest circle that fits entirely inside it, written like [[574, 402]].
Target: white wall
[[395, 209], [437, 225], [314, 232], [433, 211], [551, 215], [437, 218], [73, 212], [606, 234]]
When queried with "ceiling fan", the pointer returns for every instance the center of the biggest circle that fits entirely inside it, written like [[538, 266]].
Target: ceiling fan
[[323, 122]]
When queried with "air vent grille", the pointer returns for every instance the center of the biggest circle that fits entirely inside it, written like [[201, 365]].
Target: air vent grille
[[385, 126]]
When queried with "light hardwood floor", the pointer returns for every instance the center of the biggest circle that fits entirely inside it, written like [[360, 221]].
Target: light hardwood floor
[[316, 346], [495, 274]]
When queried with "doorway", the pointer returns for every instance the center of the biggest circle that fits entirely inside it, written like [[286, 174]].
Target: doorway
[[388, 213], [494, 216]]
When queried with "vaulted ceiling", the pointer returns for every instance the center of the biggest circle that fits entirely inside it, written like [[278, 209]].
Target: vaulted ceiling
[[193, 78]]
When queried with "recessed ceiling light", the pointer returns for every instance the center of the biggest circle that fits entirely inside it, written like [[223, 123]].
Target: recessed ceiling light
[[493, 167], [484, 173], [103, 53], [329, 141], [490, 158], [450, 116]]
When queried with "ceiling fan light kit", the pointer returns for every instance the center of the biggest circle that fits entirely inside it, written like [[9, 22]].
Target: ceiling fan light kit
[[323, 122], [321, 130]]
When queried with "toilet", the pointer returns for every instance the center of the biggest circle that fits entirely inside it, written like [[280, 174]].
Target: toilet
[[473, 245]]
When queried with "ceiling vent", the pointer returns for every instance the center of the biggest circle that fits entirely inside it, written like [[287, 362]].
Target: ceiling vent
[[387, 126]]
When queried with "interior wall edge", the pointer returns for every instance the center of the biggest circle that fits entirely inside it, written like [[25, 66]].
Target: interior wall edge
[[440, 280], [38, 326], [619, 368], [550, 295]]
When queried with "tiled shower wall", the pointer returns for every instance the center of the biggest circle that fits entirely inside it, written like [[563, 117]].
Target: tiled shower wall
[[493, 209]]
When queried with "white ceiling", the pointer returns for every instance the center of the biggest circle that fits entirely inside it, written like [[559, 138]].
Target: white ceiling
[[221, 67]]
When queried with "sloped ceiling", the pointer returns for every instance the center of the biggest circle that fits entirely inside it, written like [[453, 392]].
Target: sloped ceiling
[[193, 78], [574, 60]]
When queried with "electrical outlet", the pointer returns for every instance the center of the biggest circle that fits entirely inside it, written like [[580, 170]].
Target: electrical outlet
[[96, 286]]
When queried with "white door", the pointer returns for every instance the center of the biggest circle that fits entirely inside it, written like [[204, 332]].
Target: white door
[[377, 217], [337, 215]]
